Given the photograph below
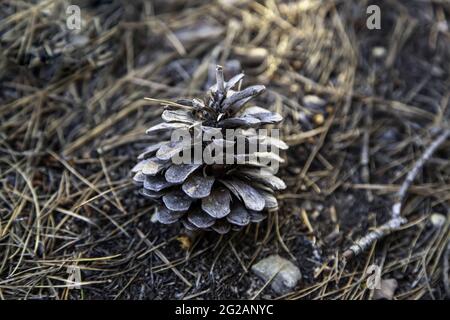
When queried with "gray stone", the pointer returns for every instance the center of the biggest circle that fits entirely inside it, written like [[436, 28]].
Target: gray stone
[[386, 290], [379, 52], [438, 220], [282, 273], [314, 103]]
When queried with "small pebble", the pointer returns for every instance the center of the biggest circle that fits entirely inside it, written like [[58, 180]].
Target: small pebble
[[386, 291], [313, 102], [294, 88], [442, 26], [307, 205], [199, 32], [438, 220], [436, 71], [319, 119], [378, 52], [79, 41], [284, 273]]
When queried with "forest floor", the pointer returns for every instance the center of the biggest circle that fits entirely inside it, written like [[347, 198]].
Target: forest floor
[[73, 120]]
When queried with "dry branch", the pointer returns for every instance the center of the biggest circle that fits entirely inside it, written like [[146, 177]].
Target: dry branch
[[396, 220]]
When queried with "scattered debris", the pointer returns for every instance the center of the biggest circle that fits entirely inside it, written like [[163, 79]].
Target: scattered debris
[[185, 242]]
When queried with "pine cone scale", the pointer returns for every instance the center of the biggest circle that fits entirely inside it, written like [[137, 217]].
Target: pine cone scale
[[197, 186], [177, 173], [217, 205]]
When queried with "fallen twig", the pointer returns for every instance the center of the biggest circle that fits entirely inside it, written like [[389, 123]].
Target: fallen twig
[[396, 220]]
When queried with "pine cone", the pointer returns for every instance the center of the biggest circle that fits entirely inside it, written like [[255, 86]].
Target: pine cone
[[217, 196]]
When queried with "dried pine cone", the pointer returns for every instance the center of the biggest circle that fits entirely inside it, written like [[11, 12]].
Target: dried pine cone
[[218, 195]]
